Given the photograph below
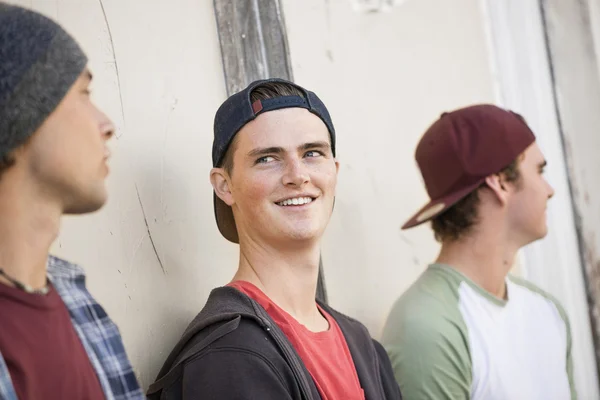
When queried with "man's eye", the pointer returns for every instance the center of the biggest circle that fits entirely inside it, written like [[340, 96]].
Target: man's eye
[[313, 153], [264, 160]]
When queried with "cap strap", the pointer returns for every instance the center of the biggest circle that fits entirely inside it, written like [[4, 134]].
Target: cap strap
[[261, 106]]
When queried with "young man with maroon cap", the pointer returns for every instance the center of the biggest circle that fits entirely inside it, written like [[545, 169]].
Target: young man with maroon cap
[[264, 336], [466, 329]]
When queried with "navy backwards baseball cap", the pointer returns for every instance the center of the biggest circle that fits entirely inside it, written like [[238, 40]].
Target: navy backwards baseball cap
[[236, 112]]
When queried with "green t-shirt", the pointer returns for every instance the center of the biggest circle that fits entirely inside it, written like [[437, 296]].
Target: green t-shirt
[[448, 338]]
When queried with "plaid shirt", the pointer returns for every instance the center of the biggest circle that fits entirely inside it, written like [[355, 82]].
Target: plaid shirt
[[98, 334]]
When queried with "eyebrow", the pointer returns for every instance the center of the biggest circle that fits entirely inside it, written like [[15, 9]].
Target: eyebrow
[[316, 145], [278, 150], [262, 151]]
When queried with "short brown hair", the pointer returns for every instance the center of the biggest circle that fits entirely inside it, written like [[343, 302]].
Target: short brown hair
[[6, 161], [267, 90], [459, 219]]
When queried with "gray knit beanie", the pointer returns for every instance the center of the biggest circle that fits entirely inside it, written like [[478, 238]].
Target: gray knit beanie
[[39, 62]]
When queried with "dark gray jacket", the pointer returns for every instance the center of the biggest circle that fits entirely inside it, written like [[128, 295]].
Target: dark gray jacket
[[233, 350]]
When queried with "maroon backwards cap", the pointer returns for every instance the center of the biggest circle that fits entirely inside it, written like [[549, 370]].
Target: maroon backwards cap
[[461, 149]]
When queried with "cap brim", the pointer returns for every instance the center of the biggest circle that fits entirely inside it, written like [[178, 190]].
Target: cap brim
[[439, 206], [225, 220]]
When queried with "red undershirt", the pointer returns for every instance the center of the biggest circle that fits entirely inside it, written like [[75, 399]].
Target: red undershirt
[[44, 356], [325, 354]]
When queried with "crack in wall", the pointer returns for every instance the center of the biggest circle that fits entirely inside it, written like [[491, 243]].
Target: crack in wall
[[149, 233], [112, 46]]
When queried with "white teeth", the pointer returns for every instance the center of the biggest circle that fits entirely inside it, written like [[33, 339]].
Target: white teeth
[[298, 201]]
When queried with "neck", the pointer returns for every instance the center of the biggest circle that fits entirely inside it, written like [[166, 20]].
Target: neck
[[485, 259], [28, 226], [288, 277]]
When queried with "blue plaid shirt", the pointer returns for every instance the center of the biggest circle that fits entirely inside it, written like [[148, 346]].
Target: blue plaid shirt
[[99, 336]]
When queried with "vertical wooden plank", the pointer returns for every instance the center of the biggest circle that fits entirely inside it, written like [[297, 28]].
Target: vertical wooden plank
[[254, 46], [321, 287], [253, 41], [576, 82]]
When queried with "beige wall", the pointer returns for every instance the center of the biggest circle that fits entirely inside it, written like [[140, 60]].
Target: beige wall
[[171, 83], [384, 76]]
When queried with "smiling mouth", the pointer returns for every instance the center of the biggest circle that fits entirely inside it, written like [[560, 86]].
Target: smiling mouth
[[296, 201]]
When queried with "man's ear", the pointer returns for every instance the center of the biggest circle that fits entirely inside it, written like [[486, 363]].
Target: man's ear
[[220, 183], [337, 172], [497, 185]]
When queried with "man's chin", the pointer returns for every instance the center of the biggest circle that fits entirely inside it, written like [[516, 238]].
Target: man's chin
[[304, 235], [541, 234], [87, 204]]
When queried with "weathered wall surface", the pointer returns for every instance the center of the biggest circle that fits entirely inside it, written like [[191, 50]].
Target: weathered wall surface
[[153, 253], [571, 27], [385, 77]]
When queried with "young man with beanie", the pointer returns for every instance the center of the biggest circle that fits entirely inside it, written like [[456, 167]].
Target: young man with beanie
[[467, 329], [264, 336], [56, 342]]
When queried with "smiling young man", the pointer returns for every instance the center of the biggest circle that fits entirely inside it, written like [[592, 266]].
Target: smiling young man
[[56, 342], [264, 336], [466, 329]]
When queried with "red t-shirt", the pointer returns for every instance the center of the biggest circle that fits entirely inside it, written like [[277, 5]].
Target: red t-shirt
[[44, 355], [325, 354]]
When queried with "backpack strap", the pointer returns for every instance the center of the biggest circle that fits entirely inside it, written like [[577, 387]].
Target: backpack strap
[[177, 369]]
